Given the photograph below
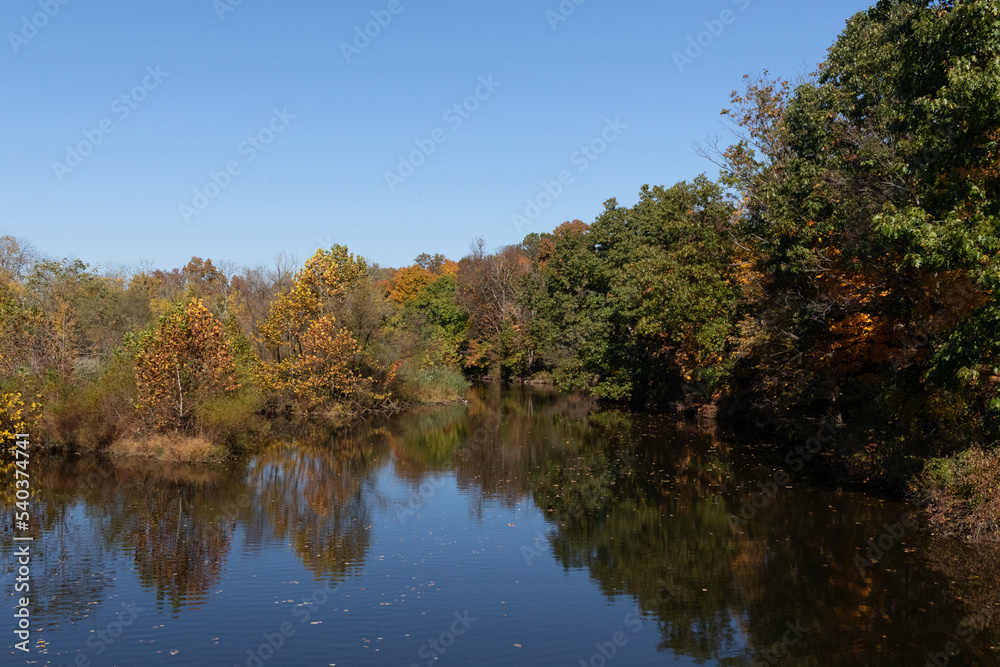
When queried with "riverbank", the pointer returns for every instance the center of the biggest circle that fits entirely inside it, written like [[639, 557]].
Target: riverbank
[[959, 494]]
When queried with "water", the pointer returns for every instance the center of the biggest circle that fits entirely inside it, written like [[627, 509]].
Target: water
[[526, 528]]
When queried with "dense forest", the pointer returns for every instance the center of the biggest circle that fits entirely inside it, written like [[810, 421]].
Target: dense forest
[[840, 271]]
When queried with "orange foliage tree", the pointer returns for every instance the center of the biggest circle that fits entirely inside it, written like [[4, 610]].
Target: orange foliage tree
[[181, 363], [408, 282]]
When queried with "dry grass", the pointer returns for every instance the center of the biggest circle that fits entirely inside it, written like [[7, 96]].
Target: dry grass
[[171, 448]]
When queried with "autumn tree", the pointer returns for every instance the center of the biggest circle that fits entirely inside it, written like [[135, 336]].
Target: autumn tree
[[489, 289], [324, 278], [868, 212], [181, 363], [408, 282], [318, 363]]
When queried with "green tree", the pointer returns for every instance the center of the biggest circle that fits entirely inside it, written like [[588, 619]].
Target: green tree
[[869, 212], [645, 299]]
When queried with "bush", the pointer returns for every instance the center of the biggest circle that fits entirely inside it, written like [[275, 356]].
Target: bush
[[437, 384], [233, 421], [962, 493], [91, 415]]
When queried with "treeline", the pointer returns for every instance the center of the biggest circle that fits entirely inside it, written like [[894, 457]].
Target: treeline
[[132, 359], [841, 270]]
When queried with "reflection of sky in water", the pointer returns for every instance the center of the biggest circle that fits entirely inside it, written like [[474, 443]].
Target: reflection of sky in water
[[543, 545]]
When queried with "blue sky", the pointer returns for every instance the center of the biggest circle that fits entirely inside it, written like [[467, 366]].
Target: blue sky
[[137, 130]]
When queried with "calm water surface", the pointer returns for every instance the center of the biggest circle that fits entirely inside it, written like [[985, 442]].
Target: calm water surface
[[525, 528]]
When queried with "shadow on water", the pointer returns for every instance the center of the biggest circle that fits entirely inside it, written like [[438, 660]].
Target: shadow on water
[[643, 505]]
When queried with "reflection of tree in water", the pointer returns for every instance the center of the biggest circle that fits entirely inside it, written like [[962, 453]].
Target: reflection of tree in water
[[490, 444], [425, 440], [796, 562], [179, 557], [176, 521], [585, 468], [643, 516], [69, 565], [161, 515], [633, 500], [636, 509], [640, 502], [490, 461], [971, 573], [316, 492]]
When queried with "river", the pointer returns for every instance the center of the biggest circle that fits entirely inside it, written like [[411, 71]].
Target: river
[[525, 528]]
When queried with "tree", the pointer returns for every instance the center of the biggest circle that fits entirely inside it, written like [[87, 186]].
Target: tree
[[182, 362], [17, 258], [70, 295], [644, 299], [408, 282], [869, 217], [432, 263], [318, 363], [489, 288], [324, 278]]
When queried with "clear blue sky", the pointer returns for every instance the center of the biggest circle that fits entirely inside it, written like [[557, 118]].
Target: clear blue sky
[[220, 75]]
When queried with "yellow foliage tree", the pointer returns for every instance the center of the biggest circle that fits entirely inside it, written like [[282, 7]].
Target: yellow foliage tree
[[325, 276], [318, 363], [13, 421]]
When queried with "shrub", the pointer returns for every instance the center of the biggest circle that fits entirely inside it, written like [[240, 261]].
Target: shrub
[[91, 415], [962, 493], [437, 384], [233, 421]]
